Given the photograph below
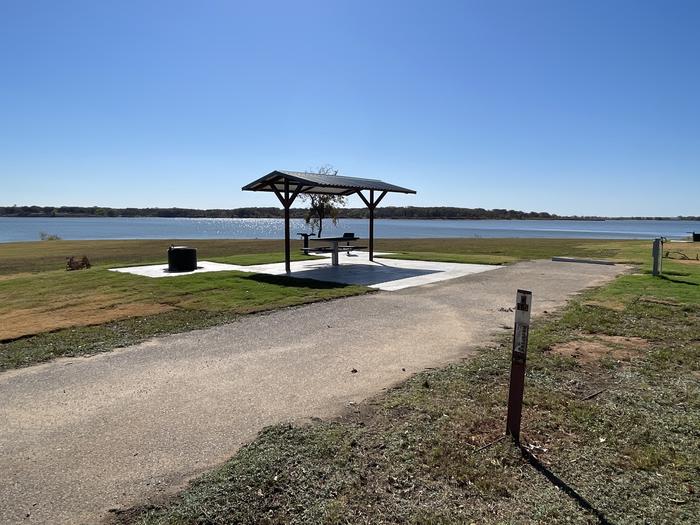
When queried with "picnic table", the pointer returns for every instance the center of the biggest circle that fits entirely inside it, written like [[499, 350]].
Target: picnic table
[[334, 247]]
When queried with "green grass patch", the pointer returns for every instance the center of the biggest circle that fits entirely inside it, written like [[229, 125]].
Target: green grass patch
[[524, 249], [464, 258], [47, 312], [194, 302], [20, 257]]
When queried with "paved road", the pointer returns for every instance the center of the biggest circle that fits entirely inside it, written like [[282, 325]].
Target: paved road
[[79, 436]]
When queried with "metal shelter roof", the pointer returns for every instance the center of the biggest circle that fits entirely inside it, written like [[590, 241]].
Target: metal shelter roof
[[306, 182]]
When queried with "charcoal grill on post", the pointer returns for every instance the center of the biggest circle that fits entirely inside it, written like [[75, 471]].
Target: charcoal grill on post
[[182, 259]]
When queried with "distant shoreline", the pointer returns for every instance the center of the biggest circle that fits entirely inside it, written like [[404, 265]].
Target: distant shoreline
[[561, 218], [390, 212]]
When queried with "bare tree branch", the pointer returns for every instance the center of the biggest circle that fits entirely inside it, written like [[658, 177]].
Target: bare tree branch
[[322, 206]]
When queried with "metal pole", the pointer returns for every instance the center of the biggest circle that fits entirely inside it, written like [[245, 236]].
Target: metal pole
[[656, 253], [334, 253], [523, 305], [287, 251], [371, 225]]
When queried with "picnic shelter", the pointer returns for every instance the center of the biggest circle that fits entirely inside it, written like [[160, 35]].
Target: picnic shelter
[[288, 185]]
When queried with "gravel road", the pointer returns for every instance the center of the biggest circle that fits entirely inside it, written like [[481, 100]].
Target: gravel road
[[79, 436]]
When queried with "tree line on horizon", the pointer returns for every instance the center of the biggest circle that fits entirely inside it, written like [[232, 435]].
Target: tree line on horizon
[[387, 212]]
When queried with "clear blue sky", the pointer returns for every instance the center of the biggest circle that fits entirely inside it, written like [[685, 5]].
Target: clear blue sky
[[573, 107]]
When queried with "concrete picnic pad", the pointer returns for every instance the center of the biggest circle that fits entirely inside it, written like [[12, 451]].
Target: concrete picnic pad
[[355, 268], [79, 436]]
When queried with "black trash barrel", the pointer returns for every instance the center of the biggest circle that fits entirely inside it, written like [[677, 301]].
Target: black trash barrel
[[182, 259]]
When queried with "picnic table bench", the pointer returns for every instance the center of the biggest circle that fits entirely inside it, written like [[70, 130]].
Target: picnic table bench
[[334, 247]]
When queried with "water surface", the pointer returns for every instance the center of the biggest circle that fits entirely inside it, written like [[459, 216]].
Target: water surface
[[29, 228]]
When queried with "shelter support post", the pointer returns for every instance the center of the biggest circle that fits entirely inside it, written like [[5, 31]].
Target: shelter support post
[[287, 250], [371, 204], [371, 233], [286, 199]]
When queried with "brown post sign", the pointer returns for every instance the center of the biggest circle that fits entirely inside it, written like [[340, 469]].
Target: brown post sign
[[523, 306]]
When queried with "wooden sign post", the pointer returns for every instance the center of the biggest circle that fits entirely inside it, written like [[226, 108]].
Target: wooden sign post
[[523, 305]]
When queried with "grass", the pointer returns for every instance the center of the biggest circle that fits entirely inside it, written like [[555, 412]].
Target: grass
[[50, 313], [32, 304], [204, 304], [500, 251], [32, 257], [620, 426], [522, 249], [464, 258]]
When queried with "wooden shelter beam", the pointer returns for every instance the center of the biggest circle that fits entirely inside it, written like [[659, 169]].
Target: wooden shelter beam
[[371, 225], [379, 199], [371, 204], [295, 194], [287, 247], [364, 199], [287, 200], [279, 195]]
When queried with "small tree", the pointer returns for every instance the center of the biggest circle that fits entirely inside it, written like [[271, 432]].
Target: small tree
[[322, 206]]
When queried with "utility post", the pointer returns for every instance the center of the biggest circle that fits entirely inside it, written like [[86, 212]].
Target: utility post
[[657, 254], [521, 330]]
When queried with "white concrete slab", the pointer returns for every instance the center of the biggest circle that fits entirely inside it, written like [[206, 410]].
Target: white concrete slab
[[161, 270], [356, 268]]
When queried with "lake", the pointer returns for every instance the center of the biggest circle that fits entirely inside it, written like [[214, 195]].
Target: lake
[[29, 228]]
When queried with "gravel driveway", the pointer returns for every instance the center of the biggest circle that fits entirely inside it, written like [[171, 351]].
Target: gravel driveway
[[79, 436]]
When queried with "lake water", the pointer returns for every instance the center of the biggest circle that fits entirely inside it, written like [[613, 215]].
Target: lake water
[[29, 228]]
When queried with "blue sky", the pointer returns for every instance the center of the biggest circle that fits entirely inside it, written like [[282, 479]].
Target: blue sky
[[573, 107]]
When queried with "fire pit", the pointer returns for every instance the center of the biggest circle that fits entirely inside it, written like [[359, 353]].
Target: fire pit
[[182, 259]]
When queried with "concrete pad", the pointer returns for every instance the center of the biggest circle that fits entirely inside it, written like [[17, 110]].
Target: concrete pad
[[392, 274], [355, 268], [161, 270]]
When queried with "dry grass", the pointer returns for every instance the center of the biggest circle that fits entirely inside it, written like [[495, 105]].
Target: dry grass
[[622, 433], [34, 303], [593, 349], [57, 313], [91, 310]]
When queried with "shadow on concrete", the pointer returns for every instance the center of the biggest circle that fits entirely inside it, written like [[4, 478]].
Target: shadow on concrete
[[362, 274], [296, 281]]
